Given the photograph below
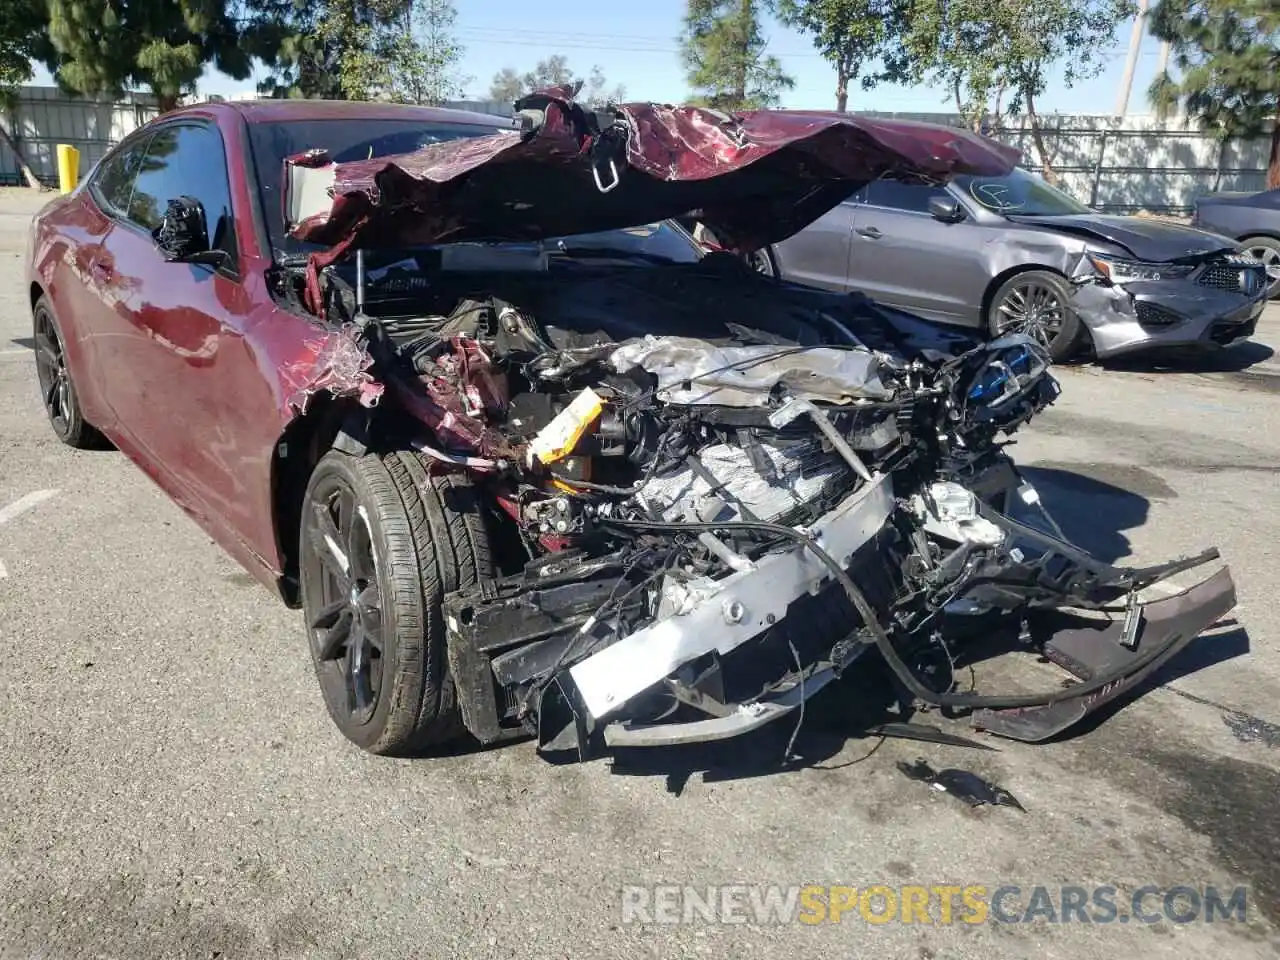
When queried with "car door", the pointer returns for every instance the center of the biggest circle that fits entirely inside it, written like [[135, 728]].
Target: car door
[[175, 330], [818, 255], [78, 288], [904, 257]]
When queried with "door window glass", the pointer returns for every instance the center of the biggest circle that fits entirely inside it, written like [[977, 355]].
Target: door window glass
[[113, 183], [185, 160], [912, 197]]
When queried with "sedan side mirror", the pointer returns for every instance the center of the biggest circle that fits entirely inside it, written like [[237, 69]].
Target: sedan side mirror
[[183, 234], [945, 209]]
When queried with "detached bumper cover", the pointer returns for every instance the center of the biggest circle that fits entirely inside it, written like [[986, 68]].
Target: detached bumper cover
[[1089, 649]]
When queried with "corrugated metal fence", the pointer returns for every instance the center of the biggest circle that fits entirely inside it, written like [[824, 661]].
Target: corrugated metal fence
[[44, 117], [1120, 166]]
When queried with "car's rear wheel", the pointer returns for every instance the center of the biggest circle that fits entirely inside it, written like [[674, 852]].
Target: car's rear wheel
[[1037, 303], [382, 542], [57, 392], [1266, 249]]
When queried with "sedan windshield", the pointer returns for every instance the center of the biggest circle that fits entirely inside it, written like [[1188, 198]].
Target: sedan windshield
[[1021, 193], [348, 140]]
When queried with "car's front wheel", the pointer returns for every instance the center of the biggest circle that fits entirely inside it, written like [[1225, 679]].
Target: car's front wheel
[[762, 262], [58, 393], [1037, 303], [382, 542], [1266, 249]]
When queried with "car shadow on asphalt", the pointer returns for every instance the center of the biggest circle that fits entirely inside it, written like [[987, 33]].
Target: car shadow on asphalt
[[1237, 358], [28, 342], [1094, 512]]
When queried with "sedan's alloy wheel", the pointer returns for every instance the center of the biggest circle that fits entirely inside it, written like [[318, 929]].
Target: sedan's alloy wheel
[[1033, 308], [51, 369], [1270, 257]]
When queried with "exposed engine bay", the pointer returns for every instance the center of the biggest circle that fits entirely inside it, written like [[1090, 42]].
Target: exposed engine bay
[[719, 492]]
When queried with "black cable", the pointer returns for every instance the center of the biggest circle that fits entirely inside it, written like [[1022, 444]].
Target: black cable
[[882, 640]]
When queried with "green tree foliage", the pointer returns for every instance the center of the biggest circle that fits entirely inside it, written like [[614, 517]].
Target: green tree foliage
[[723, 46], [1227, 55], [104, 46], [853, 36], [509, 85], [402, 50], [984, 50], [21, 26], [21, 29]]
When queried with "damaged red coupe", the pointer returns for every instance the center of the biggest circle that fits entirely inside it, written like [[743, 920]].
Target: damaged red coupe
[[531, 461]]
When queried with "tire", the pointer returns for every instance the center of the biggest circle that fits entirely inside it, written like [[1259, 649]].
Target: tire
[[763, 262], [1019, 303], [57, 391], [376, 628], [1266, 249]]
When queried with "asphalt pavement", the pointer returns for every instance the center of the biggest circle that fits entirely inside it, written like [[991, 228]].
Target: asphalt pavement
[[170, 785]]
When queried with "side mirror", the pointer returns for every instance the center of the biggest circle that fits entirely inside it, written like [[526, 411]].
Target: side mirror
[[183, 234], [945, 209]]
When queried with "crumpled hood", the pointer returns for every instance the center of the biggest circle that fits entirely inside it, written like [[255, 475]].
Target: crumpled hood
[[1157, 241], [756, 177]]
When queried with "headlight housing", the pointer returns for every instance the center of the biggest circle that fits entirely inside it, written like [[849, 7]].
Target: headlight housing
[[1120, 270]]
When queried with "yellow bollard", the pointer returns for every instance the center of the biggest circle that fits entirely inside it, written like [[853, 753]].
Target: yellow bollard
[[68, 167]]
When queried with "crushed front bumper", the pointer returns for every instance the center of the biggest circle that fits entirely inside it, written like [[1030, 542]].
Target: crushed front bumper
[[1109, 651], [1157, 314]]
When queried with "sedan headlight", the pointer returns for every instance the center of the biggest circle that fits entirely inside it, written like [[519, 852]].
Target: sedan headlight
[[1119, 270]]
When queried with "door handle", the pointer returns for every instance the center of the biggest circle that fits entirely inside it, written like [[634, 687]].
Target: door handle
[[871, 233]]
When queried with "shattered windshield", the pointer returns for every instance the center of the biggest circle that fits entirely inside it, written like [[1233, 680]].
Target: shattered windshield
[[1021, 193], [347, 140]]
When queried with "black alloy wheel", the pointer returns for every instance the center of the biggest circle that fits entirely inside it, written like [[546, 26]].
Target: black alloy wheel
[[57, 392], [382, 540], [345, 615]]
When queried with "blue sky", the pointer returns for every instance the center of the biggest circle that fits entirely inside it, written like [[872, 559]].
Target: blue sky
[[635, 44]]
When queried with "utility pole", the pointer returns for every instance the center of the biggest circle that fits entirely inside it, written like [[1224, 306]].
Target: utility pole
[[1135, 44]]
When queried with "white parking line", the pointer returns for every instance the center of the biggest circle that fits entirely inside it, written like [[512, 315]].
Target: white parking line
[[19, 507], [23, 504]]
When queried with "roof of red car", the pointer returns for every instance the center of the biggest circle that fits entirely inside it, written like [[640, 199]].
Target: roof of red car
[[275, 111]]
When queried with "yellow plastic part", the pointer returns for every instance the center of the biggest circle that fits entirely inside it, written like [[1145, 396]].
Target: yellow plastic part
[[68, 167], [557, 439]]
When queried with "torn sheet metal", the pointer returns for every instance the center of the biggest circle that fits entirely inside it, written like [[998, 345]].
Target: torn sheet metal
[[756, 177], [693, 372], [333, 361]]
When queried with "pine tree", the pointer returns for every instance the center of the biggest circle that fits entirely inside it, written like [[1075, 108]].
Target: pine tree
[[724, 52], [105, 46], [1227, 54]]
